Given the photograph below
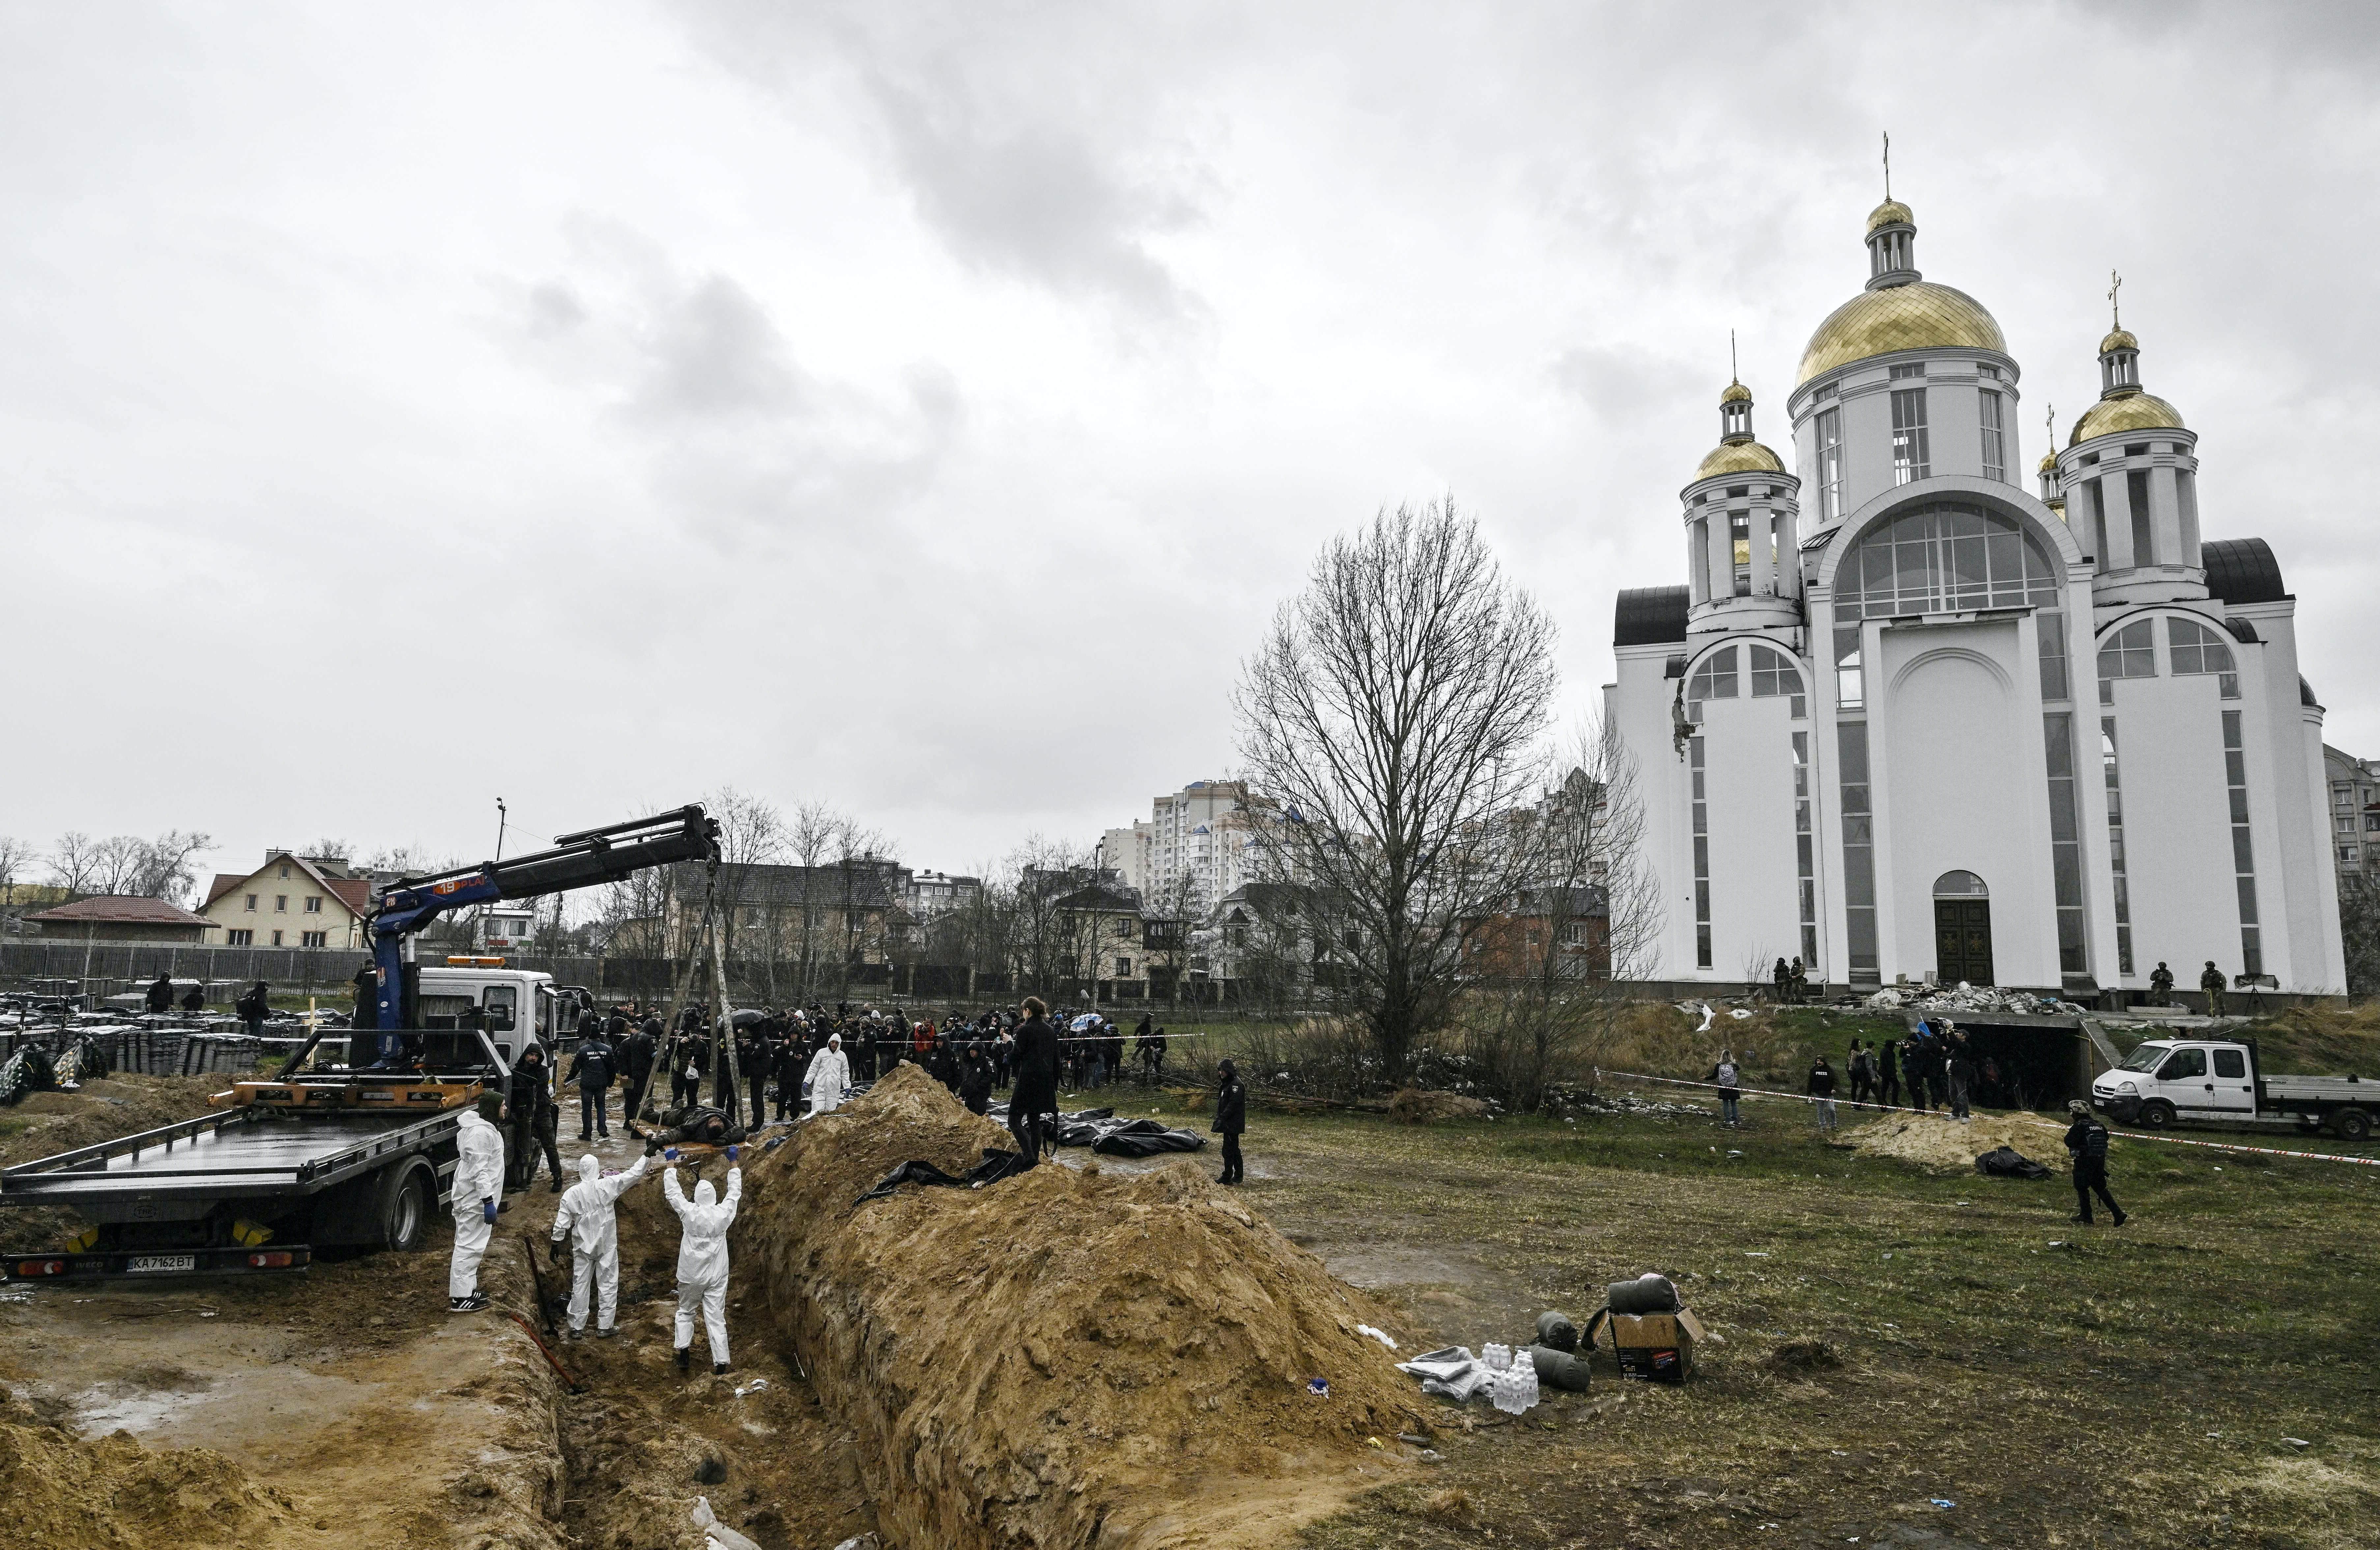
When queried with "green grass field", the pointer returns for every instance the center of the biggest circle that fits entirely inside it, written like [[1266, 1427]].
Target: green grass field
[[1891, 1336]]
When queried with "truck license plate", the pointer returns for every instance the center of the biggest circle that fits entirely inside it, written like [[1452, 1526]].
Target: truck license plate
[[140, 1263]]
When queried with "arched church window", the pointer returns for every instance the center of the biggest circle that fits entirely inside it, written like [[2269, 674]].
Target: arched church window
[[2198, 649], [1773, 675], [1713, 679], [2131, 652], [1943, 558]]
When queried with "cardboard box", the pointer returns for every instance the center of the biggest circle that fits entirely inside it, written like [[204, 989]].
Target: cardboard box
[[1656, 1348]]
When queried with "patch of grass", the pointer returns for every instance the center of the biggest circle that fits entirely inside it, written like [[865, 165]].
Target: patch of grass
[[2061, 1384]]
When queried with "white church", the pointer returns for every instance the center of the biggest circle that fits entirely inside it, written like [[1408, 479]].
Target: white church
[[1906, 719]]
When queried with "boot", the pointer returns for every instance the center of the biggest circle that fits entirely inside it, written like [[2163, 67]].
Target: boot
[[2122, 1219], [557, 1186], [719, 1369], [685, 1359]]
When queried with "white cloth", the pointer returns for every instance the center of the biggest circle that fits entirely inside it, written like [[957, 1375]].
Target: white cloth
[[829, 1077], [702, 1256], [478, 1176], [588, 1216]]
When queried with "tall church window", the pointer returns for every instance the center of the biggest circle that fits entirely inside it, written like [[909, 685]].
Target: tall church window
[[1773, 675], [1702, 851], [1945, 559], [1912, 458], [1739, 532], [2097, 511], [1859, 854], [2243, 852], [2115, 845], [1805, 852], [1830, 463], [2197, 649], [2136, 486], [1716, 679], [2051, 627], [2131, 652], [2065, 841], [1850, 687], [1995, 437]]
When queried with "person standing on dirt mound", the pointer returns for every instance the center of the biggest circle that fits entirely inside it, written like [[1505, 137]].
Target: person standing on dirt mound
[[636, 1054], [1231, 1122], [587, 1220], [829, 1076], [479, 1191], [1037, 1079], [702, 1259]]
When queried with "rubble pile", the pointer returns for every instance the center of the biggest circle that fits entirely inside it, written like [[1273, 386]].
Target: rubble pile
[[1963, 996], [1064, 1358]]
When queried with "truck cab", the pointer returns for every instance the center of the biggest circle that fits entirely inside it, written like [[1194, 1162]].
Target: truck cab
[[516, 1005], [2168, 1079]]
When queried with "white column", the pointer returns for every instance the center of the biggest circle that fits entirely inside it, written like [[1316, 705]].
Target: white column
[[2164, 518], [1789, 552], [1764, 551], [2116, 503], [1722, 552], [1697, 561]]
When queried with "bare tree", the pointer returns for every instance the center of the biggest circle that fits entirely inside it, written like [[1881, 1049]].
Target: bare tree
[[166, 867], [1394, 710], [74, 861], [861, 872], [751, 835], [127, 865], [809, 840], [16, 855]]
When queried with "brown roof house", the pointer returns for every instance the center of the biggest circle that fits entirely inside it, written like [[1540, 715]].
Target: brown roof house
[[114, 917], [291, 901]]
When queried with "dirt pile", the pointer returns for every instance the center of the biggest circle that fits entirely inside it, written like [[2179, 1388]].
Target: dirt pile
[[1943, 1145], [1418, 1108], [1064, 1358], [61, 1489]]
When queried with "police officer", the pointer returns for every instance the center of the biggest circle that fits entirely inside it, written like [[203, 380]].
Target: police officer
[[534, 1118], [2086, 1144]]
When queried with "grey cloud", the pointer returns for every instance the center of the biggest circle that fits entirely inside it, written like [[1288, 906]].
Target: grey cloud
[[1031, 146], [1621, 382]]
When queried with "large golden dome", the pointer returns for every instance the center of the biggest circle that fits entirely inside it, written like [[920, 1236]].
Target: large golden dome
[[1918, 316], [1739, 457], [2133, 411]]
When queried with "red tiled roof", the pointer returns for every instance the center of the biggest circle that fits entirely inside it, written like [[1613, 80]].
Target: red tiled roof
[[118, 909], [224, 882], [356, 893]]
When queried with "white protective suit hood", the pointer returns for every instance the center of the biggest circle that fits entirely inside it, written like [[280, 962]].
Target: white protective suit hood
[[704, 1195], [590, 1170], [586, 1213]]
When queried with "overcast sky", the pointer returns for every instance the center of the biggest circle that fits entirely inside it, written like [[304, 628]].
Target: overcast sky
[[921, 408]]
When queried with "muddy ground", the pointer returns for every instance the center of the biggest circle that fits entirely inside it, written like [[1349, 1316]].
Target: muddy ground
[[1892, 1339]]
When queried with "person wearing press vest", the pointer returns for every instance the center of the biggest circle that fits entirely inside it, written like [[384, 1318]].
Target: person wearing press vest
[[1725, 1075], [2086, 1145]]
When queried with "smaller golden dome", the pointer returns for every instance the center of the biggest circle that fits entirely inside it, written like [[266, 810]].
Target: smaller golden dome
[[2121, 339], [1739, 457], [2048, 461], [1736, 394], [1891, 213], [2130, 411]]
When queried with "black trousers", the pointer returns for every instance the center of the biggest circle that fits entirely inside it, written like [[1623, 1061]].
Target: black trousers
[[594, 1112], [2090, 1179], [759, 1082], [632, 1096], [1890, 1086], [528, 1138], [1234, 1168], [1026, 1128]]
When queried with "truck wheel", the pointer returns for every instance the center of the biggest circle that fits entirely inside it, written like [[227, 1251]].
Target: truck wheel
[[2156, 1116], [2353, 1124], [403, 1212]]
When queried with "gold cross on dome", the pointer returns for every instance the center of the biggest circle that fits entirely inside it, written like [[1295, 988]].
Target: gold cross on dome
[[2115, 309]]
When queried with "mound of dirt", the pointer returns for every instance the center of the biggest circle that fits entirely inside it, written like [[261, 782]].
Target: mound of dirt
[[1798, 1357], [1943, 1145], [110, 1492], [1418, 1108], [1062, 1359]]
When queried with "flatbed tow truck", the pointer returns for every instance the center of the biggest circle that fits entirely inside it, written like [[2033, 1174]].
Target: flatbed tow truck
[[350, 1155]]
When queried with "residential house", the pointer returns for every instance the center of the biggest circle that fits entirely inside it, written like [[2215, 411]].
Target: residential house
[[113, 917], [2354, 811], [1514, 940], [291, 901]]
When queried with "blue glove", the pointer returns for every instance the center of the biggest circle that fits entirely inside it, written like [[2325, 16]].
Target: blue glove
[[730, 1153], [488, 1211], [668, 1154]]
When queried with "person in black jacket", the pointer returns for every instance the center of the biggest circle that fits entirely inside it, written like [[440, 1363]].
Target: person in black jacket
[[161, 995], [592, 1068], [1036, 1080], [1888, 1073], [1231, 1122], [253, 1009], [1822, 1087], [2086, 1145], [636, 1054], [535, 1118], [792, 1059], [975, 1081]]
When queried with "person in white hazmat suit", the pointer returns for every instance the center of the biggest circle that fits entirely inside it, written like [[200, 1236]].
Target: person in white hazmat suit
[[478, 1194], [829, 1076], [702, 1259], [587, 1220]]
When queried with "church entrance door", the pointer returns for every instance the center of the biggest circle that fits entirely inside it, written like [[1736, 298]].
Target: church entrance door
[[1962, 929]]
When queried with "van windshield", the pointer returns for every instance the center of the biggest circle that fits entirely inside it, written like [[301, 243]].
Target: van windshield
[[2146, 1056]]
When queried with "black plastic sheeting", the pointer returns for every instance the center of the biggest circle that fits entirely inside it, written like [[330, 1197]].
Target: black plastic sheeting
[[1100, 1130], [996, 1165], [2007, 1162]]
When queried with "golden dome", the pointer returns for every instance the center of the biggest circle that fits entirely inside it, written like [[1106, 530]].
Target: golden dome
[[2121, 339], [1736, 394], [2048, 461], [2133, 411], [1739, 457], [1918, 316], [1891, 213]]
